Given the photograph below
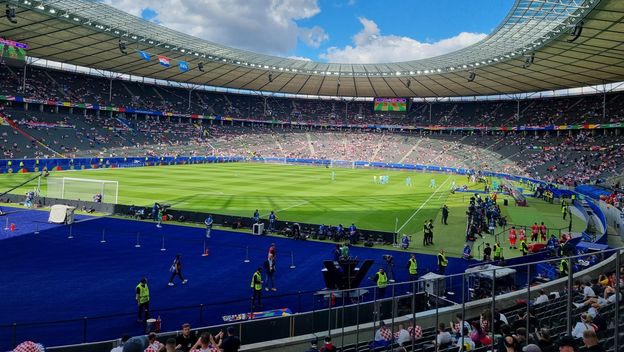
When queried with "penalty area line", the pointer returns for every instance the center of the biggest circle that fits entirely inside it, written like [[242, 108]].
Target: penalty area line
[[290, 207], [423, 204]]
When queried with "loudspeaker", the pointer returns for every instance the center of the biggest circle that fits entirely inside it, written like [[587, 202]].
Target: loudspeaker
[[505, 202]]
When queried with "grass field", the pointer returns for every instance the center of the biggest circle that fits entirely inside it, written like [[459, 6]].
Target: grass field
[[308, 194]]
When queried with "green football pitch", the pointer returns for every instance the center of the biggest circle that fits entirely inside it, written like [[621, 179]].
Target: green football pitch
[[308, 194]]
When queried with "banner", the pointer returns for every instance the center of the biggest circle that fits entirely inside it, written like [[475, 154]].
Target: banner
[[145, 55], [183, 66], [164, 61]]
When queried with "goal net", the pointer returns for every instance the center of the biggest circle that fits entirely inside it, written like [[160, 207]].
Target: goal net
[[82, 189]]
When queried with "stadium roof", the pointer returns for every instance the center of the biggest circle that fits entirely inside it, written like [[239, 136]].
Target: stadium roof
[[529, 51]]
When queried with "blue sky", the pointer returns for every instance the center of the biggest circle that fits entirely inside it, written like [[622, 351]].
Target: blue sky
[[324, 30]]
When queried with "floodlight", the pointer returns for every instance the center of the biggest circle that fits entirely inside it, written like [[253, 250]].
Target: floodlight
[[472, 76], [10, 14], [122, 47], [576, 32], [528, 61]]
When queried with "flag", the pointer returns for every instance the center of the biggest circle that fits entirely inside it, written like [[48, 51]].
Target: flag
[[144, 55], [183, 66], [163, 60]]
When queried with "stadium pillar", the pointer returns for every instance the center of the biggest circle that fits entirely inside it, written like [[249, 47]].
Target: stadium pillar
[[569, 298], [604, 103], [24, 77], [110, 89], [618, 319]]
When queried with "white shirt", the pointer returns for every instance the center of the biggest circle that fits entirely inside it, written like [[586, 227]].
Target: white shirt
[[444, 338], [579, 328], [541, 299], [403, 337], [588, 292]]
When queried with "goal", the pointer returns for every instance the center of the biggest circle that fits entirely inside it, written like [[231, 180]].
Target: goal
[[82, 189]]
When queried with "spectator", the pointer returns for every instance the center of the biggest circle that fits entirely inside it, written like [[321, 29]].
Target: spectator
[[531, 348], [402, 336], [170, 345], [187, 339], [567, 344], [510, 344], [153, 344], [582, 326], [383, 335], [414, 330], [590, 342], [443, 338], [136, 344], [231, 343], [588, 291], [544, 341], [459, 325], [313, 347], [542, 298], [206, 343], [119, 348], [521, 321], [479, 336], [328, 345], [465, 342], [29, 346]]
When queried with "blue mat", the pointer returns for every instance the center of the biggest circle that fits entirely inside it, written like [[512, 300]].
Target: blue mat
[[50, 282]]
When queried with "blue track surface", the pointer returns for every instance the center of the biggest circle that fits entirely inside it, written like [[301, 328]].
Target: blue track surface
[[48, 277]]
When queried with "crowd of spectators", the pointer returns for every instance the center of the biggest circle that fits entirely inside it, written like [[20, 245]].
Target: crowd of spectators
[[49, 84], [569, 158]]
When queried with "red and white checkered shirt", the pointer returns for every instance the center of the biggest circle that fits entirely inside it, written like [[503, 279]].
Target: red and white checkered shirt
[[415, 331], [386, 333], [29, 346], [154, 347]]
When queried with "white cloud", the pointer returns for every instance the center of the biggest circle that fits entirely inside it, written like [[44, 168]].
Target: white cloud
[[303, 58], [266, 26], [369, 46], [313, 37]]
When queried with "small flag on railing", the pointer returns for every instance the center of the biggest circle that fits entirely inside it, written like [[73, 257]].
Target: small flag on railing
[[183, 66], [145, 55], [163, 61]]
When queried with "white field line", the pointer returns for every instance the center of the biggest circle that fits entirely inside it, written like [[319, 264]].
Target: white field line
[[290, 207], [423, 204]]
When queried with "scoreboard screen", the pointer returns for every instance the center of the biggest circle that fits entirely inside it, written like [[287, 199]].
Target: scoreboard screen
[[12, 53], [390, 104]]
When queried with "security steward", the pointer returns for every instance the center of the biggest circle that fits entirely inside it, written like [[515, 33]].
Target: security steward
[[563, 268], [412, 268], [143, 299], [381, 278], [442, 262], [498, 251], [524, 247], [256, 286]]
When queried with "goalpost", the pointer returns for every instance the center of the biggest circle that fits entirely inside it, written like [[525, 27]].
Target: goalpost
[[82, 189]]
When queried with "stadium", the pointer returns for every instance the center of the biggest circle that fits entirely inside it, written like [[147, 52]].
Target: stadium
[[467, 201]]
